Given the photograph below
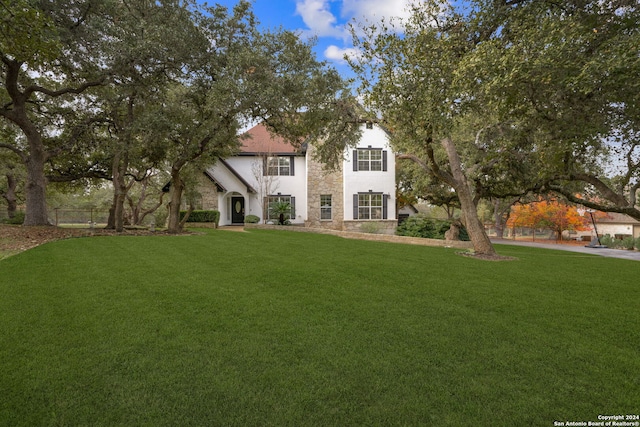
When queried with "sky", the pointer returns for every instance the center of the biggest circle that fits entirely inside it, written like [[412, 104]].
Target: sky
[[324, 19]]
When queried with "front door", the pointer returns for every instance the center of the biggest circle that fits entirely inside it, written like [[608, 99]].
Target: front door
[[237, 210]]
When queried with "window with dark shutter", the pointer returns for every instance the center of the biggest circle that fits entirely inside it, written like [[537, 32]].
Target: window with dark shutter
[[271, 207], [369, 159], [385, 205], [368, 206]]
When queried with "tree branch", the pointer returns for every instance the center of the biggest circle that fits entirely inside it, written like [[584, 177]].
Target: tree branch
[[55, 93], [16, 150], [627, 210], [603, 188]]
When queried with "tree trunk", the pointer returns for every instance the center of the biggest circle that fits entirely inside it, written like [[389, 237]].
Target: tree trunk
[[36, 187], [120, 189], [177, 187], [151, 210], [481, 243], [10, 195], [497, 216]]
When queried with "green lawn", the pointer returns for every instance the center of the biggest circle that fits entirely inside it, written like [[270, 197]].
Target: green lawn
[[294, 329]]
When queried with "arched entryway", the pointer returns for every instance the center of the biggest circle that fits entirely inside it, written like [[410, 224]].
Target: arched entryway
[[237, 205]]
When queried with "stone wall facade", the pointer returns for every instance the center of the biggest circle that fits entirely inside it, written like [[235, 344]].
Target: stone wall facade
[[208, 193], [385, 226], [323, 182]]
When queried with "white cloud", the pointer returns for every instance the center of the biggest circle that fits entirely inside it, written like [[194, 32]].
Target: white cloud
[[375, 10], [336, 53], [330, 18], [317, 15], [322, 22]]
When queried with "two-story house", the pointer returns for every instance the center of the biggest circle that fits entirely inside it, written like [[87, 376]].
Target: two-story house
[[358, 196]]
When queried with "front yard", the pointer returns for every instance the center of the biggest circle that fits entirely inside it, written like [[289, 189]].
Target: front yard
[[282, 328]]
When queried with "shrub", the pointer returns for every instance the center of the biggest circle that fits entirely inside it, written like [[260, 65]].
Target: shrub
[[423, 226], [370, 227], [627, 243], [202, 216], [282, 210], [251, 219], [17, 219], [160, 217], [608, 241]]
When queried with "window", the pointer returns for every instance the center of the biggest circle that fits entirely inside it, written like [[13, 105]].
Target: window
[[369, 159], [370, 206], [274, 205], [325, 207], [279, 166]]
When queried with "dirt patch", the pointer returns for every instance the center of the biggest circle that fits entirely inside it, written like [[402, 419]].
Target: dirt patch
[[485, 257], [18, 238]]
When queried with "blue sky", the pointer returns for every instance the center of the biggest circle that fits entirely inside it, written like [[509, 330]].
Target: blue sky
[[325, 19]]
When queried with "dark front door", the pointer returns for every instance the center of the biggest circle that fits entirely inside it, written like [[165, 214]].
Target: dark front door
[[237, 210]]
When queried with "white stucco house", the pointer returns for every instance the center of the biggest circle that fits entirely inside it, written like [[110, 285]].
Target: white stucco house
[[358, 196], [616, 225]]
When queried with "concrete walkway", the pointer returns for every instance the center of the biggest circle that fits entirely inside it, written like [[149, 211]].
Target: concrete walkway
[[605, 252]]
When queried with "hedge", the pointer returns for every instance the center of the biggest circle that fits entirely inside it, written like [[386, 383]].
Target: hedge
[[202, 216]]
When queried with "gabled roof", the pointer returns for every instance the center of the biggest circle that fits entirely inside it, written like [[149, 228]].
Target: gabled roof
[[258, 140], [250, 189], [616, 218], [213, 179]]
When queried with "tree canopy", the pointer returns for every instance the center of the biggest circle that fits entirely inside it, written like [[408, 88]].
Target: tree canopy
[[114, 89], [510, 96]]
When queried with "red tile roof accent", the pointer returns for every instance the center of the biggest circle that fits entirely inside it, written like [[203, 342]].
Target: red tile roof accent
[[261, 141]]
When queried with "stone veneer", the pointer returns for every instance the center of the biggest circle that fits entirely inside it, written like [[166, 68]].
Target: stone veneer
[[382, 226], [208, 192], [323, 182]]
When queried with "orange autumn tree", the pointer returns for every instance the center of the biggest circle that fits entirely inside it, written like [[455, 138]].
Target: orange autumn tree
[[552, 215]]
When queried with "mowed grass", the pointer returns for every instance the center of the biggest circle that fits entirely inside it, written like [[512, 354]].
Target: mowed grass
[[294, 329]]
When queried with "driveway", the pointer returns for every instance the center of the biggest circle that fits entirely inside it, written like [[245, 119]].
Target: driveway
[[605, 252]]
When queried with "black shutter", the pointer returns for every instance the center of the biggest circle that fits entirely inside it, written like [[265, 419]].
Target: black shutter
[[293, 207], [355, 160], [385, 204], [292, 161], [384, 160], [355, 206], [264, 165]]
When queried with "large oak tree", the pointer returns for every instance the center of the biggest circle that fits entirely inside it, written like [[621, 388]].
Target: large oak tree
[[505, 97], [47, 54]]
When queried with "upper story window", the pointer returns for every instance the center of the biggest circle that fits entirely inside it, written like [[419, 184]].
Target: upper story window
[[369, 159], [279, 166]]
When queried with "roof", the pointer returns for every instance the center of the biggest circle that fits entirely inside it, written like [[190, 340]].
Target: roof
[[258, 140], [617, 218]]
